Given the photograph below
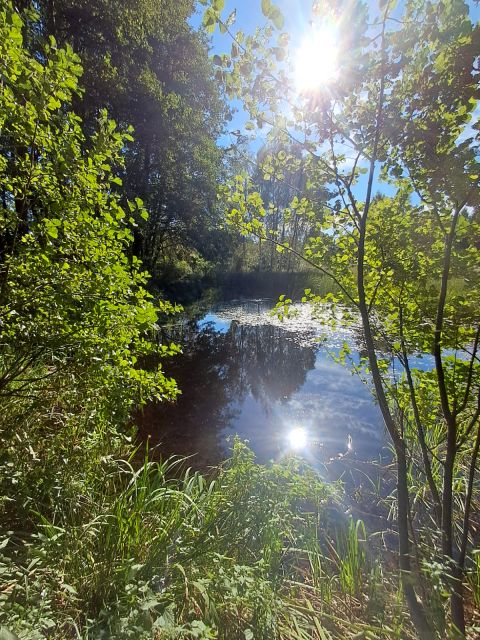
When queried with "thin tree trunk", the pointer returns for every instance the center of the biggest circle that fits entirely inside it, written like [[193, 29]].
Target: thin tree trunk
[[417, 611], [51, 27], [456, 601], [420, 430], [416, 608]]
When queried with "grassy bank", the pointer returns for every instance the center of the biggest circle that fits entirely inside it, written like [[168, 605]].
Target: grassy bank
[[246, 552]]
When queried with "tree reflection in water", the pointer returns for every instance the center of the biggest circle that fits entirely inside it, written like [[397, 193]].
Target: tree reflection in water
[[242, 373], [217, 373]]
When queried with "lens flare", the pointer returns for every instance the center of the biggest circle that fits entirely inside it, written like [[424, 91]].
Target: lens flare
[[316, 62], [297, 438]]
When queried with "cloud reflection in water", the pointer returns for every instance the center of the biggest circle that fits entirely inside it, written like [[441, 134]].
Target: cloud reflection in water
[[243, 372]]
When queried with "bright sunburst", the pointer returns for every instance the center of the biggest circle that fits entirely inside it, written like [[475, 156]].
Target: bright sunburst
[[316, 61], [297, 438]]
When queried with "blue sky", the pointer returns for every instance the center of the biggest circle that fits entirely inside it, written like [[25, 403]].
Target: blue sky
[[248, 17], [297, 15]]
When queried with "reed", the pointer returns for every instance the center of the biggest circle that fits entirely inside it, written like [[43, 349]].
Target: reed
[[249, 551]]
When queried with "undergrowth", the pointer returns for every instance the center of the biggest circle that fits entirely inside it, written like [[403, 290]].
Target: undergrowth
[[250, 551]]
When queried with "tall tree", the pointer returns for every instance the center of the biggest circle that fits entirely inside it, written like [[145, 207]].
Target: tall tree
[[395, 100], [150, 69]]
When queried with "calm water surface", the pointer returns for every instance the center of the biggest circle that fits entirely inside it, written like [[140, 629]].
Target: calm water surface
[[273, 383]]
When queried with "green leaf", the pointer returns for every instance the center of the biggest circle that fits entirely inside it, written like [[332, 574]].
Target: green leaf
[[52, 228], [53, 104], [69, 588], [266, 8], [277, 18], [209, 20], [230, 21]]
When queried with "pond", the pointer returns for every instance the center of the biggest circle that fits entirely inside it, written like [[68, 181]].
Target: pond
[[275, 384]]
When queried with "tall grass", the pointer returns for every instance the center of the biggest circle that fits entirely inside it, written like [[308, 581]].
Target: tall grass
[[250, 551]]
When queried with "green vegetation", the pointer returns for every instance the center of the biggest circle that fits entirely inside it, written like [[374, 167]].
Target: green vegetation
[[151, 70], [75, 316], [252, 552], [95, 543], [92, 543], [393, 101]]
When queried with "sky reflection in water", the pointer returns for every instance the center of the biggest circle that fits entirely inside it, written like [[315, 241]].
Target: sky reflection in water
[[244, 372]]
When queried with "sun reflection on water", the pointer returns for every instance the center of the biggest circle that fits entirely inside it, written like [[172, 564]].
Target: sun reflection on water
[[297, 438], [300, 440]]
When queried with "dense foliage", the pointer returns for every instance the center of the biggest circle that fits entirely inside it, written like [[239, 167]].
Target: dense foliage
[[150, 69], [405, 262], [75, 316], [255, 552], [93, 542]]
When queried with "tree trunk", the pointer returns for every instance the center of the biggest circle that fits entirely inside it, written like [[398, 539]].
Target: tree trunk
[[456, 574], [417, 611]]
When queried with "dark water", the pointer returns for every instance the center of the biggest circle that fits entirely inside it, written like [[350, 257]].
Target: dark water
[[244, 372]]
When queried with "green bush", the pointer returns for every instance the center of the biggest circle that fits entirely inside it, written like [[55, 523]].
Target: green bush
[[75, 317]]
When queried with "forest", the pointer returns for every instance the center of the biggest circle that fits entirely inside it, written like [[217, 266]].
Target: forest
[[239, 319]]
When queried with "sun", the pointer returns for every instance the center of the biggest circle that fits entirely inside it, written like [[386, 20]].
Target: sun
[[316, 62]]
